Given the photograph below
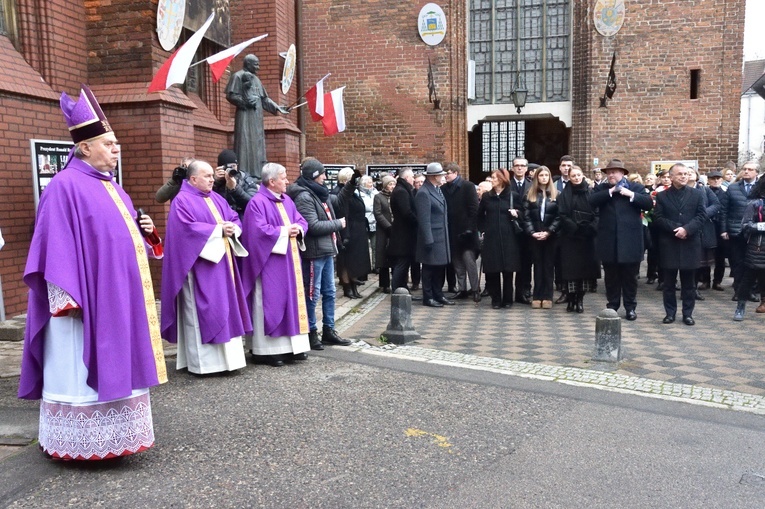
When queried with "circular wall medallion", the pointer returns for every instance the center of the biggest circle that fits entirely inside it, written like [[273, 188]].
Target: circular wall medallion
[[289, 69], [608, 16], [170, 15], [431, 24]]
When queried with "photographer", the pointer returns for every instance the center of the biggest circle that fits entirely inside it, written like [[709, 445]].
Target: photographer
[[172, 186], [237, 187]]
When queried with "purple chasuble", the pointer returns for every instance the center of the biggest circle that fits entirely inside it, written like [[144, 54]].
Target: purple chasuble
[[221, 306], [262, 226], [82, 244]]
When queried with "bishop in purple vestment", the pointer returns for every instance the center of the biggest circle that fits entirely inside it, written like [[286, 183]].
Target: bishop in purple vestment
[[202, 296], [271, 274]]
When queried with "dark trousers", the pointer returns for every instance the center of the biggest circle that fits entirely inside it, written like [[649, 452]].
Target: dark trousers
[[523, 276], [543, 252], [384, 279], [416, 270], [400, 266], [721, 252], [621, 284], [687, 291], [748, 277], [500, 293], [451, 278], [736, 253], [433, 282]]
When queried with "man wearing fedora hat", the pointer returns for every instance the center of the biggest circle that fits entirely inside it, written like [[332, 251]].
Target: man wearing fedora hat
[[620, 234], [432, 236]]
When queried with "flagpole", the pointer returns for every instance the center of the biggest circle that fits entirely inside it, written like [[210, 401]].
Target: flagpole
[[295, 104]]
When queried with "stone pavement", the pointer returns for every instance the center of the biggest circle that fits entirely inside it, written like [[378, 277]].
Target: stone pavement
[[717, 361]]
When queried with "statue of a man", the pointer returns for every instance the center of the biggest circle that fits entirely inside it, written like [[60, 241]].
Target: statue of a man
[[246, 92]]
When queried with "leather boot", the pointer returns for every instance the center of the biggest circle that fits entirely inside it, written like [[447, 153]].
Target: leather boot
[[355, 291], [761, 307], [580, 302], [740, 309], [331, 337], [314, 341], [347, 291], [571, 303]]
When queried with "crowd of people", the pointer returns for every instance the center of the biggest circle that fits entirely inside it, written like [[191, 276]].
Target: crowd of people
[[246, 262]]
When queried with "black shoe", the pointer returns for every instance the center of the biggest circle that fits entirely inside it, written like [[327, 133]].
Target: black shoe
[[563, 298], [688, 320], [300, 356], [446, 302], [432, 303], [650, 281], [314, 341], [631, 315], [753, 298], [485, 293], [459, 295], [699, 296], [451, 289], [660, 287], [476, 296], [386, 289], [668, 319], [496, 305], [275, 361], [704, 286], [330, 337], [523, 300], [355, 291], [414, 288], [718, 287], [416, 298]]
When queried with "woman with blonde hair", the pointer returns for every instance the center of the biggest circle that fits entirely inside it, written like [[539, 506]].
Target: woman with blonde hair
[[541, 222]]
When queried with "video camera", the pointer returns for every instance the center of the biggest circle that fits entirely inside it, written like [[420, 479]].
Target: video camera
[[179, 174]]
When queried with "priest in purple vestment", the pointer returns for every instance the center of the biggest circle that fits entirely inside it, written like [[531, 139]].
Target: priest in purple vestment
[[203, 303], [92, 346], [272, 274]]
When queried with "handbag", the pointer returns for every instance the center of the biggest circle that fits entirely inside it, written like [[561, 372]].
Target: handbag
[[514, 221]]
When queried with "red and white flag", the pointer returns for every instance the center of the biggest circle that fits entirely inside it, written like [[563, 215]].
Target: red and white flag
[[177, 66], [315, 99], [334, 112], [220, 61]]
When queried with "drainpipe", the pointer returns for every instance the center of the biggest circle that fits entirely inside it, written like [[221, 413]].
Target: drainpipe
[[299, 47]]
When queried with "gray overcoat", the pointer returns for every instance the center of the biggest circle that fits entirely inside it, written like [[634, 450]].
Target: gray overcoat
[[432, 226]]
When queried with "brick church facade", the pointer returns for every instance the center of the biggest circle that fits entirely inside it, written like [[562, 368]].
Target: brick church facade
[[678, 68]]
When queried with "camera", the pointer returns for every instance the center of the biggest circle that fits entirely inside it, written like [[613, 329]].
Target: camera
[[179, 174], [231, 170]]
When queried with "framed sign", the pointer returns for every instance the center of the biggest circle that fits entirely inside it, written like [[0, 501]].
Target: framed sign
[[48, 158], [332, 170], [431, 23], [666, 165]]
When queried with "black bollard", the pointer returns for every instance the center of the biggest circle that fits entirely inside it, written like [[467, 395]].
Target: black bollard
[[608, 336], [400, 329]]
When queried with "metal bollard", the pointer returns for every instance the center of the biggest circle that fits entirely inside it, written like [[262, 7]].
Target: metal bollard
[[608, 336], [400, 329]]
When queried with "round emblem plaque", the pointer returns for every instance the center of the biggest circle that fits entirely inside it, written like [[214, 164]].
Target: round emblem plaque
[[170, 15], [608, 16], [431, 23]]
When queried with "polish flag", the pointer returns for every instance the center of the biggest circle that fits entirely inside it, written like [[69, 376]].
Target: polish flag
[[334, 112], [174, 70], [220, 61], [315, 98]]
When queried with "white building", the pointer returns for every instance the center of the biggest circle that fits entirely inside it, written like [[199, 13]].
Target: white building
[[751, 137]]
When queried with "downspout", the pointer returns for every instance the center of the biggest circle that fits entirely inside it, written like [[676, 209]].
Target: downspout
[[299, 47]]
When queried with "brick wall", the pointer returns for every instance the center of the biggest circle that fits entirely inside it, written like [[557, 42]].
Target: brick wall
[[651, 115], [374, 49]]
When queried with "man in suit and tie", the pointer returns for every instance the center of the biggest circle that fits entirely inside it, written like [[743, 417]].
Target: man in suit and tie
[[565, 165], [432, 236], [520, 184], [732, 205], [679, 217]]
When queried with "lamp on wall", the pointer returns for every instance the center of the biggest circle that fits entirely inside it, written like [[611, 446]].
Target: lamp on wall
[[518, 94]]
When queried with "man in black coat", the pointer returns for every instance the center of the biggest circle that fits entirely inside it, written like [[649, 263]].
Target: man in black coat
[[520, 184], [432, 237], [403, 233], [679, 217], [462, 205], [620, 234], [715, 179], [733, 204]]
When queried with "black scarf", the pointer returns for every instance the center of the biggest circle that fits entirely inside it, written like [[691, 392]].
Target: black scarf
[[320, 191]]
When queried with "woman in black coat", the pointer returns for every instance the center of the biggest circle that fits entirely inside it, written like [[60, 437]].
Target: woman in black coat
[[384, 219], [579, 225], [498, 213], [541, 222], [753, 230], [353, 257]]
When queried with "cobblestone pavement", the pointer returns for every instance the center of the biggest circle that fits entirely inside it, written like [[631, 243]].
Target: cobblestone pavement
[[717, 361]]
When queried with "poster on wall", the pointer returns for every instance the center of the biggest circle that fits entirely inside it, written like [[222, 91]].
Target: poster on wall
[[197, 12], [48, 158], [377, 171], [657, 166]]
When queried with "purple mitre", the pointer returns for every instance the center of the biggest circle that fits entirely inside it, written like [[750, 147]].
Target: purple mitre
[[84, 117]]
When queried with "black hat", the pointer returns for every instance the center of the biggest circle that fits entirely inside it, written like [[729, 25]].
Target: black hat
[[311, 168], [228, 156], [714, 173]]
